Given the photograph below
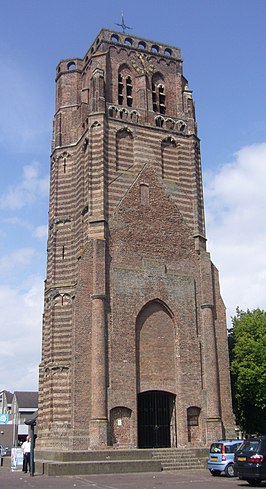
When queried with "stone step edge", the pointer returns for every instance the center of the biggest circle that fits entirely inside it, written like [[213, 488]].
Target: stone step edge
[[188, 462], [167, 464], [177, 460], [181, 467], [95, 462], [177, 457], [99, 467]]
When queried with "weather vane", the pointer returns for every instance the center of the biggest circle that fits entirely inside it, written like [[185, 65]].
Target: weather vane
[[123, 25]]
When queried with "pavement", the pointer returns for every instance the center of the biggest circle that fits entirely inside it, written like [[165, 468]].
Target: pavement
[[182, 479]]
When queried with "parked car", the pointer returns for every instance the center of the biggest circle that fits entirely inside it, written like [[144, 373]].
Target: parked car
[[250, 460], [221, 457], [8, 450], [2, 451]]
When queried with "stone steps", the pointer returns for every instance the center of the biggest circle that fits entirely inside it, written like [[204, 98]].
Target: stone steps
[[95, 462], [178, 465], [98, 467], [118, 461], [179, 459]]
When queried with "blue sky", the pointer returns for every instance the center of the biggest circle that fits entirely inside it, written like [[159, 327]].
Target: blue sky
[[223, 45]]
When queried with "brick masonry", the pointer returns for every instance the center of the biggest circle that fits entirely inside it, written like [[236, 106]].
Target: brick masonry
[[132, 300]]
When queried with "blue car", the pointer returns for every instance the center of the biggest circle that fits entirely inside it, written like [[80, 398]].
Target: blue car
[[221, 457]]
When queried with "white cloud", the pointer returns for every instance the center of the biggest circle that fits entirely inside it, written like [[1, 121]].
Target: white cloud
[[235, 209], [41, 232], [16, 260], [31, 187], [17, 221], [20, 343]]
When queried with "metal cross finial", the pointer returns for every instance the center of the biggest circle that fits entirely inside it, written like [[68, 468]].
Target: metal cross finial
[[123, 25]]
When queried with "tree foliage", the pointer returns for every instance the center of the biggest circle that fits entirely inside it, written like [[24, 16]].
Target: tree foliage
[[247, 346]]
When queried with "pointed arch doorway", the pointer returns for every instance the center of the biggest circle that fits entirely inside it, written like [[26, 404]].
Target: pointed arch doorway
[[156, 379], [155, 415]]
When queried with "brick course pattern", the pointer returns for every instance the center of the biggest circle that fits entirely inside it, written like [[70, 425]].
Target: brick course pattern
[[132, 300]]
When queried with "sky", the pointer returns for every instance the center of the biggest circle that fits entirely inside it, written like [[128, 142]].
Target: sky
[[223, 45]]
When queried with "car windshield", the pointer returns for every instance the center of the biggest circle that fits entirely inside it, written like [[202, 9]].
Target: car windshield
[[250, 446]]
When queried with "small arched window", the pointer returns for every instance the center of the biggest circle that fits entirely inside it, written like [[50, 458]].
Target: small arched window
[[114, 38], [193, 413], [128, 41], [71, 66], [155, 49], [142, 45], [170, 123], [112, 111], [159, 121]]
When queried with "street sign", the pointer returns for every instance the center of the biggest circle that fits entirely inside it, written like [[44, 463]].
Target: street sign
[[3, 418]]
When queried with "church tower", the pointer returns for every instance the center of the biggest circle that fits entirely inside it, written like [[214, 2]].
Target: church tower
[[134, 348]]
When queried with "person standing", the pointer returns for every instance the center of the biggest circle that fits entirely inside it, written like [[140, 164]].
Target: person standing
[[26, 454]]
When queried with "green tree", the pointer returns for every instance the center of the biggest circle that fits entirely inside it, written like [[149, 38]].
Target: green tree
[[247, 346]]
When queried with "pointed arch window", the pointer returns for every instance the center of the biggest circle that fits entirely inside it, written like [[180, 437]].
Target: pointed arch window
[[158, 94], [120, 89], [125, 87], [129, 91], [158, 98], [124, 150], [169, 149]]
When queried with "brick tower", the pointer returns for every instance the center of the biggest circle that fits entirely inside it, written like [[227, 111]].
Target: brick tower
[[134, 333]]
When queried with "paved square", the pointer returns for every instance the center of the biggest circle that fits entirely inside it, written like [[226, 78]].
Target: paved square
[[184, 479]]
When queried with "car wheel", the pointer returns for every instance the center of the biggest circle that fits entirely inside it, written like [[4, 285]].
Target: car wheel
[[254, 482], [215, 473], [229, 470]]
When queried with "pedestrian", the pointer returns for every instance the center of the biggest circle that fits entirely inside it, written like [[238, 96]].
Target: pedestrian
[[26, 454]]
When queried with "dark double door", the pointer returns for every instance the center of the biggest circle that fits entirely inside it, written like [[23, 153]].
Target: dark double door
[[154, 419]]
